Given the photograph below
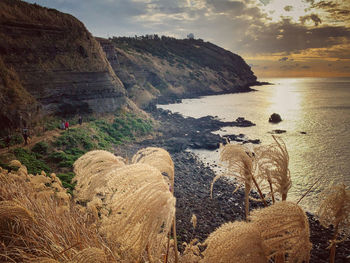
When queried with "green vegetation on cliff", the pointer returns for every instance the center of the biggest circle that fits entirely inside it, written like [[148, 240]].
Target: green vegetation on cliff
[[59, 154]]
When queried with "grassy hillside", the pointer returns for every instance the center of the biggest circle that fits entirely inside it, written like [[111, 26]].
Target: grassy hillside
[[59, 153]]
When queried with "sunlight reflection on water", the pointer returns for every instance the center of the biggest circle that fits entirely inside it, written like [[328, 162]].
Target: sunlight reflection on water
[[319, 107]]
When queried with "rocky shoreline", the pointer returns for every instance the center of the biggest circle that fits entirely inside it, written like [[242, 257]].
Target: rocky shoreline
[[193, 179]]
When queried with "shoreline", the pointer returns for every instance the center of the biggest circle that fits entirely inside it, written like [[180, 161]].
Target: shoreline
[[193, 179], [169, 99]]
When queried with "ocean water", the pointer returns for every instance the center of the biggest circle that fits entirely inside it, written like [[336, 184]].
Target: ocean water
[[318, 106]]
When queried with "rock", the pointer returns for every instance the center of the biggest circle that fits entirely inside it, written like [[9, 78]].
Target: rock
[[275, 118], [256, 141], [278, 131], [213, 70], [58, 63]]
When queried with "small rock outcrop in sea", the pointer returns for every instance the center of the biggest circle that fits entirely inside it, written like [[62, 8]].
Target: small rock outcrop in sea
[[277, 131], [275, 118]]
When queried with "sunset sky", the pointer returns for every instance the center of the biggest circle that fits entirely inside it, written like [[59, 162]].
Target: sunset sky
[[277, 38]]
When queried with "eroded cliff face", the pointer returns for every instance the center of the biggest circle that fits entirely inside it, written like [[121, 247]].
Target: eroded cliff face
[[58, 66], [167, 68]]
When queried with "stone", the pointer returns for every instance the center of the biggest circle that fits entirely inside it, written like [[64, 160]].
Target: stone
[[275, 118]]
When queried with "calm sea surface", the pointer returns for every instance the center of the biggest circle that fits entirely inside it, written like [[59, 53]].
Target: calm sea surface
[[318, 106]]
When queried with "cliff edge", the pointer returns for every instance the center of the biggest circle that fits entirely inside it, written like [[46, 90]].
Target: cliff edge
[[51, 64], [165, 68]]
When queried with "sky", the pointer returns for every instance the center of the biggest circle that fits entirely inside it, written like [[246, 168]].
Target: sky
[[277, 38]]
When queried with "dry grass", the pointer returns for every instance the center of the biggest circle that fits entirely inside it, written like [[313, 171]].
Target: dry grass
[[129, 218], [273, 161], [284, 228], [158, 158], [141, 210], [235, 242], [265, 169], [241, 165], [133, 201], [335, 210], [90, 170], [46, 225], [90, 255]]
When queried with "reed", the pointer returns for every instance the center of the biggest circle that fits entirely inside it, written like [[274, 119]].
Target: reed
[[335, 210]]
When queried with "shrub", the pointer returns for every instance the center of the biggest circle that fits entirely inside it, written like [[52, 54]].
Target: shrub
[[29, 159], [63, 159], [40, 148], [66, 180]]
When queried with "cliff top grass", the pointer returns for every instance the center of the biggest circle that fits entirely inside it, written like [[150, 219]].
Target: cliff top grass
[[185, 51]]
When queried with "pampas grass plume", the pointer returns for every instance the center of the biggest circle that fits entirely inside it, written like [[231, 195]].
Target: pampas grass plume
[[235, 242], [141, 210], [273, 162], [89, 172], [284, 227], [13, 211], [158, 158], [90, 255], [335, 210]]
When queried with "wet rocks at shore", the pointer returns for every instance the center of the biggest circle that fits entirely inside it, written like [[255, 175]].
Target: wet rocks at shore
[[193, 179], [180, 133]]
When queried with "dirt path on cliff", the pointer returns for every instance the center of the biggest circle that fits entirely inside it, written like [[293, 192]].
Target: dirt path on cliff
[[48, 135]]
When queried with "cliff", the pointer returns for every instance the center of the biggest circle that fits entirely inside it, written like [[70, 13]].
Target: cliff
[[50, 64], [166, 68]]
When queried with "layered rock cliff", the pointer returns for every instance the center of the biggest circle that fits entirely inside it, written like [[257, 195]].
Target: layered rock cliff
[[169, 68], [49, 64]]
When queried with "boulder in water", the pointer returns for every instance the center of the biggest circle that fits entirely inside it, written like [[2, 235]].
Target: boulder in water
[[275, 118]]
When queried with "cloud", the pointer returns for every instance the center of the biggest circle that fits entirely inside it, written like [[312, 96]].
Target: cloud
[[288, 37], [313, 17], [336, 10], [265, 2], [288, 8], [224, 6]]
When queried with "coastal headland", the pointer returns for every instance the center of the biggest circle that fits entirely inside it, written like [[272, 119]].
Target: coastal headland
[[53, 69]]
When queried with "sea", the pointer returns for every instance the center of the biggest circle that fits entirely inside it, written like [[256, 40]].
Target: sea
[[316, 118]]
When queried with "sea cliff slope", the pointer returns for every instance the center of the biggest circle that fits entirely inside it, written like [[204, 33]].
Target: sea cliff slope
[[50, 63], [166, 68]]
